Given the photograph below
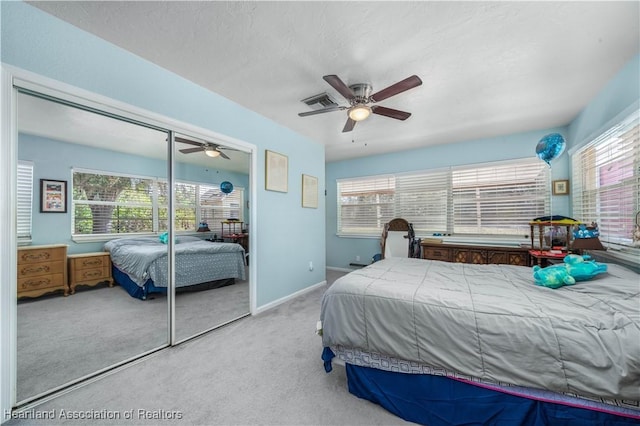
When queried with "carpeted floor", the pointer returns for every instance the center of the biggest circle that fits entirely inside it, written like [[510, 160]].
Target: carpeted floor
[[65, 338], [265, 369]]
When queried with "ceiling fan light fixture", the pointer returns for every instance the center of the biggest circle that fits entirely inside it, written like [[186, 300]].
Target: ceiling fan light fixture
[[211, 152], [359, 112]]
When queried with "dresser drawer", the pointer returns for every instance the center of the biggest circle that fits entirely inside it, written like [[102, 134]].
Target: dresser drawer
[[41, 282], [81, 275], [41, 255], [436, 254], [43, 268], [91, 262]]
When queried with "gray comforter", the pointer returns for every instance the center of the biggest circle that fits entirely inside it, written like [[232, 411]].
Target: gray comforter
[[492, 322], [146, 257]]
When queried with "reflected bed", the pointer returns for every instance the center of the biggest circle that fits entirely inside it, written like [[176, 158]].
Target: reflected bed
[[140, 264]]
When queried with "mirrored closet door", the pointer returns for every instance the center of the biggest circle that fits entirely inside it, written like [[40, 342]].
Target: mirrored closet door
[[96, 274], [211, 264], [90, 193]]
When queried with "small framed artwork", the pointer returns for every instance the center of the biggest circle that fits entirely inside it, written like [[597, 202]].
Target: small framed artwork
[[309, 191], [276, 172], [560, 187], [53, 196]]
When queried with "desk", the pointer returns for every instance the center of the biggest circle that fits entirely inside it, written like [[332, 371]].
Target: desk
[[544, 257], [540, 227]]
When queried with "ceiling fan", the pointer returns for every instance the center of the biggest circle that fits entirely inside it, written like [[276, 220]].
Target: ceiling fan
[[359, 97], [209, 148]]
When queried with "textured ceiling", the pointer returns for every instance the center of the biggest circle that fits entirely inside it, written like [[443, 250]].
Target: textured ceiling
[[488, 68]]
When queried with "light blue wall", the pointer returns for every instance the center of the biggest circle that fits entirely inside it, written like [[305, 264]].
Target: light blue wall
[[343, 250], [54, 160], [288, 236], [620, 93]]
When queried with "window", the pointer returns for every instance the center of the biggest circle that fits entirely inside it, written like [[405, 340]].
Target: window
[[122, 204], [496, 199], [24, 201], [606, 182]]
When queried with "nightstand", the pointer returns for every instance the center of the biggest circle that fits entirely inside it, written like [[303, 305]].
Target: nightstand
[[89, 269]]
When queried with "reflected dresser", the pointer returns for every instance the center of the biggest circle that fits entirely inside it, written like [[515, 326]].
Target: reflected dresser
[[42, 269], [89, 269]]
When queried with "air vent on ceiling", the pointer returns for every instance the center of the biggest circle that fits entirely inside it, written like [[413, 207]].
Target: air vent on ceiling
[[321, 101]]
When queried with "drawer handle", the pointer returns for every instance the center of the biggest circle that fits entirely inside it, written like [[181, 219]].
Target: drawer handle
[[92, 262], [44, 281], [34, 269], [40, 256], [92, 274]]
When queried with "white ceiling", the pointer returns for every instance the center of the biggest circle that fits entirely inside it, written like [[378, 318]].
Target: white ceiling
[[488, 68]]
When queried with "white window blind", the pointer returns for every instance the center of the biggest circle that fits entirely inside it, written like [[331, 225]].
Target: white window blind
[[215, 206], [423, 200], [24, 209], [365, 204], [606, 181], [111, 204], [497, 199]]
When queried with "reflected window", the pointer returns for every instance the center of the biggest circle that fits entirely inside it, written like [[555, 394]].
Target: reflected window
[[106, 203]]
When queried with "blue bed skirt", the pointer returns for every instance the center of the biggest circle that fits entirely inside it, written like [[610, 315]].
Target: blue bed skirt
[[142, 293], [134, 289], [442, 401]]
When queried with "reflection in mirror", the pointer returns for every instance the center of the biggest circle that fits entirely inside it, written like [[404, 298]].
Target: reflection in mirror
[[211, 222], [87, 184]]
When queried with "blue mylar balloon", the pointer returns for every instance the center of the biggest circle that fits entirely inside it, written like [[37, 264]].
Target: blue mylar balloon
[[226, 187], [550, 147]]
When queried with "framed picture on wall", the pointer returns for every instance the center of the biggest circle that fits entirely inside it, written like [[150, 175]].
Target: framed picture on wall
[[53, 196], [560, 187], [309, 191], [276, 172]]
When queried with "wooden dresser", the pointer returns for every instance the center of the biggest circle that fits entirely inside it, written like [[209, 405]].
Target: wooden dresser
[[463, 253], [42, 269], [89, 269]]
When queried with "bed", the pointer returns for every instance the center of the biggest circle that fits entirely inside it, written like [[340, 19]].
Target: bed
[[139, 265], [443, 343]]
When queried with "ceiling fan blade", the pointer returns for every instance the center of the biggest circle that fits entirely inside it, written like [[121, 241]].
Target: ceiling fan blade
[[187, 141], [349, 125], [223, 155], [399, 87], [339, 85], [320, 111], [190, 150], [389, 112]]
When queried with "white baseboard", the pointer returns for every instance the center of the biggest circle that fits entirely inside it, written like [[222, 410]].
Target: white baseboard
[[275, 303], [334, 268]]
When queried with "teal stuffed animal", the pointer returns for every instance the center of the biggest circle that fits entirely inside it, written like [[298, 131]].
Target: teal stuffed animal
[[164, 237], [582, 268], [575, 268]]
